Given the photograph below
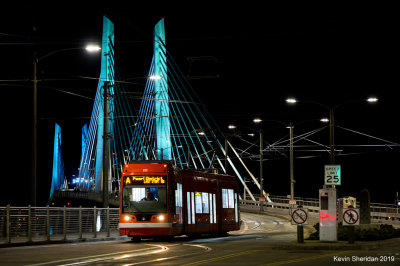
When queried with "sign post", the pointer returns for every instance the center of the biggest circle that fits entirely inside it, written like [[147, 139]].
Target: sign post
[[299, 217]]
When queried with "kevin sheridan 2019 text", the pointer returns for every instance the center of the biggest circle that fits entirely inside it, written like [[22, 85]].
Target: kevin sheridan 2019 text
[[363, 258]]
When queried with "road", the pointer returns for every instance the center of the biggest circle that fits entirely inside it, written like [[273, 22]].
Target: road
[[262, 240]]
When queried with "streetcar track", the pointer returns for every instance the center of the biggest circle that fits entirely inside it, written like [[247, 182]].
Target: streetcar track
[[104, 257], [206, 249], [124, 255]]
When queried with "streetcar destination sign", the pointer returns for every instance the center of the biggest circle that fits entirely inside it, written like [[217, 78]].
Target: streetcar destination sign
[[141, 180], [332, 175]]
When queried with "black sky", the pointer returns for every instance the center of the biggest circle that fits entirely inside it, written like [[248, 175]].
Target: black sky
[[264, 54]]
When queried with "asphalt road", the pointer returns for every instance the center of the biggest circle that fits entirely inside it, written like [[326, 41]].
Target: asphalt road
[[262, 240]]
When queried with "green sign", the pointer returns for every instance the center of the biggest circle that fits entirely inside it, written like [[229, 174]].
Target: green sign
[[332, 175]]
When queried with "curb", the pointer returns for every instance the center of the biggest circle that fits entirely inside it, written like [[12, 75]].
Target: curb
[[53, 242]]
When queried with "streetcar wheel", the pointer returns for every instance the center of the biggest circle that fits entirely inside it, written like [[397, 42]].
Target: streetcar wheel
[[136, 239], [167, 238]]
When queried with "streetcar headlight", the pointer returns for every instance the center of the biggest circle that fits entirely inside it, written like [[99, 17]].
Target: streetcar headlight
[[127, 218], [161, 218]]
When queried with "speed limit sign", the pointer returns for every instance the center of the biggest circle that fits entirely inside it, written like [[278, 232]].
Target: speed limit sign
[[332, 175]]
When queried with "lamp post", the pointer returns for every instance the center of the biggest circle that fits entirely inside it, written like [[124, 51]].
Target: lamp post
[[331, 109], [261, 169], [292, 181], [258, 121], [291, 161], [36, 60], [261, 136]]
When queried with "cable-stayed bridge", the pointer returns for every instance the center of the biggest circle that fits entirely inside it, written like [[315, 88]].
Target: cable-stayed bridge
[[169, 124]]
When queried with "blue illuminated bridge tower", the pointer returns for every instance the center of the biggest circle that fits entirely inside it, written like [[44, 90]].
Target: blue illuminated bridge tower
[[167, 122]]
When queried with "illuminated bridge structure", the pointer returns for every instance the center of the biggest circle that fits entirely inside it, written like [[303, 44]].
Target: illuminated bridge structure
[[167, 122]]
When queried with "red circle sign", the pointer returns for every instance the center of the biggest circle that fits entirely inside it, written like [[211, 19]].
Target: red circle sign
[[299, 216], [350, 216]]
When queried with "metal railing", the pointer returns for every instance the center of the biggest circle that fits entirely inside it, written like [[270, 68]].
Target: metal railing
[[32, 224], [380, 213]]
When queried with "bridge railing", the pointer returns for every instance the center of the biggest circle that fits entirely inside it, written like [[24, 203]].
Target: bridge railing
[[33, 224], [380, 213]]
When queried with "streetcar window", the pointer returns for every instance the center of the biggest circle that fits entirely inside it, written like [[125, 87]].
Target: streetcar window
[[231, 199], [228, 200], [188, 206], [214, 208], [236, 209], [211, 209], [224, 198], [178, 201], [144, 199], [178, 195], [137, 194], [192, 208], [198, 202], [204, 197]]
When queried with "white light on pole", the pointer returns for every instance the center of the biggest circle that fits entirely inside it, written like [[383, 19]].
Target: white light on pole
[[36, 60], [257, 120], [92, 48], [372, 99], [155, 77], [291, 100]]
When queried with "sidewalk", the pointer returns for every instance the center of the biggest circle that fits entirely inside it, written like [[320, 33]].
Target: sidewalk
[[340, 245], [320, 245], [58, 239]]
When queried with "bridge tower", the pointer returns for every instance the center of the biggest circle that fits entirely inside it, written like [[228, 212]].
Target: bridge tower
[[161, 116], [58, 163], [106, 77]]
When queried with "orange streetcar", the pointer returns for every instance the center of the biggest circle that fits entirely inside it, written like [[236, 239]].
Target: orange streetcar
[[160, 199]]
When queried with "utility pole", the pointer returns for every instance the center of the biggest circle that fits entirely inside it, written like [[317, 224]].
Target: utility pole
[[106, 137], [261, 170], [226, 155], [34, 133], [332, 133], [291, 162]]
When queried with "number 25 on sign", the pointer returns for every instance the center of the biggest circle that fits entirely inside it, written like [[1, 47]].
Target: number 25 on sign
[[332, 175]]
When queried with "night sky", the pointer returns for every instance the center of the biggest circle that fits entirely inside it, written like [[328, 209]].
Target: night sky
[[261, 56]]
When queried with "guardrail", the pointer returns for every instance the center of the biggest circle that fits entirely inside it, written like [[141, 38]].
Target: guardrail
[[34, 224], [380, 213]]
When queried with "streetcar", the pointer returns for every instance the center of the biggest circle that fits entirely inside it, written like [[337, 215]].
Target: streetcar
[[159, 199]]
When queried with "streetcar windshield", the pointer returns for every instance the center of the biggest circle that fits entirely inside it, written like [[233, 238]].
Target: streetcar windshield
[[144, 194]]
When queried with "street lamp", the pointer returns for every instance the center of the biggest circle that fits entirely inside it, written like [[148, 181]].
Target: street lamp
[[258, 121], [291, 161], [292, 181], [36, 60], [331, 119], [261, 178]]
